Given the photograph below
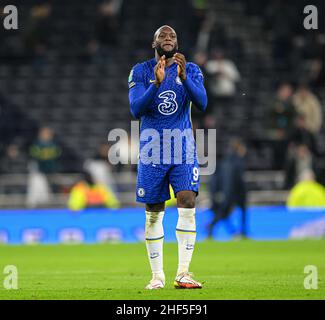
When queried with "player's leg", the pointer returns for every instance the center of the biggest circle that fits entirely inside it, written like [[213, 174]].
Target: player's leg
[[185, 229], [153, 190], [185, 182], [154, 242]]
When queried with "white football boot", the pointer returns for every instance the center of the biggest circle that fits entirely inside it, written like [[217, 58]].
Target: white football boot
[[155, 284], [185, 281]]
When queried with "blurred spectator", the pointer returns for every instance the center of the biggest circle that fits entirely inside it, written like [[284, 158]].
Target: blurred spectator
[[14, 160], [106, 32], [89, 194], [308, 105], [45, 154], [301, 152], [282, 112], [307, 192], [299, 159], [37, 32], [228, 188], [223, 78], [316, 73], [281, 123], [301, 135], [100, 169]]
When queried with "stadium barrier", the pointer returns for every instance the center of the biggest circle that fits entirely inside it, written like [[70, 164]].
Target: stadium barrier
[[127, 225]]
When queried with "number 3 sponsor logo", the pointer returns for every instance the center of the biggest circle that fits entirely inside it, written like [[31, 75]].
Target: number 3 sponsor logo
[[169, 104]]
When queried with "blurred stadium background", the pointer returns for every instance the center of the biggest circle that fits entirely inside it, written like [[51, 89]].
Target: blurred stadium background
[[63, 87]]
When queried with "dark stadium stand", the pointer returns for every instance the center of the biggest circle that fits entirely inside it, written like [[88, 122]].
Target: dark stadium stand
[[82, 100]]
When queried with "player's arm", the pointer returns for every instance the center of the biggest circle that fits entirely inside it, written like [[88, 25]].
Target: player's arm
[[141, 98], [192, 81]]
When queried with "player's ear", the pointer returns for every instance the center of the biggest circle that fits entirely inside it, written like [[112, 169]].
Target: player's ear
[[153, 45]]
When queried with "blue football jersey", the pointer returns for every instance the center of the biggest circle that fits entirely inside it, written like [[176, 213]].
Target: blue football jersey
[[170, 109]]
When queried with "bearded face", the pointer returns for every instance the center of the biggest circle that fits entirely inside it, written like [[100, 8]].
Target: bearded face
[[167, 53], [165, 42]]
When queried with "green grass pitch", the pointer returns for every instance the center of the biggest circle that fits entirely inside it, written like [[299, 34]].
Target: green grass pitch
[[229, 270]]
